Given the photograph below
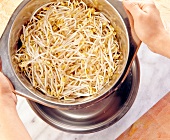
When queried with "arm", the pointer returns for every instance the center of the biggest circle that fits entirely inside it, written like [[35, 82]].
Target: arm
[[11, 127], [147, 26]]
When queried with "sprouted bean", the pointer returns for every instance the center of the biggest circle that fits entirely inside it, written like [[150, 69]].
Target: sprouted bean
[[69, 50]]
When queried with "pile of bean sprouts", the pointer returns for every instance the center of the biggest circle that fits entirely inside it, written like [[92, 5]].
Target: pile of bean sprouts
[[69, 50]]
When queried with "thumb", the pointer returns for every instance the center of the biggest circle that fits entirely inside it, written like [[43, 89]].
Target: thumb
[[5, 85], [133, 7]]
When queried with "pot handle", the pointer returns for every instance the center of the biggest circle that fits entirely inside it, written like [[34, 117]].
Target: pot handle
[[34, 99]]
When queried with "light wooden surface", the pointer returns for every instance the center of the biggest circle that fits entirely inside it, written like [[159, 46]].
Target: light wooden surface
[[7, 7], [164, 8], [153, 125]]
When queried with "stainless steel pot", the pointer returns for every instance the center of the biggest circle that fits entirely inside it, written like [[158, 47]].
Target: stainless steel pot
[[9, 41]]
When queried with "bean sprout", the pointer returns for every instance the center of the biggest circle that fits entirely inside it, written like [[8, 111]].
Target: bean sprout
[[69, 50]]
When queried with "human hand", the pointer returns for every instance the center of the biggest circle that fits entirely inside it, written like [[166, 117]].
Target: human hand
[[9, 118], [146, 24], [7, 97]]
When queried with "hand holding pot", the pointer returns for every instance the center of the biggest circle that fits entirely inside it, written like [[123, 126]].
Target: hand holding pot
[[147, 26], [9, 118], [7, 97]]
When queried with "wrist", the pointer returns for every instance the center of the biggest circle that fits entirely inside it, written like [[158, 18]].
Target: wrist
[[6, 111], [7, 101]]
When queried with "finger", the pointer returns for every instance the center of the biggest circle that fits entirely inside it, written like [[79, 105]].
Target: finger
[[148, 6], [3, 76], [5, 84], [9, 83], [133, 7], [6, 87], [134, 35], [131, 20]]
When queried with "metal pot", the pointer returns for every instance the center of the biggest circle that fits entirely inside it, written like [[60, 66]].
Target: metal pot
[[113, 11]]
